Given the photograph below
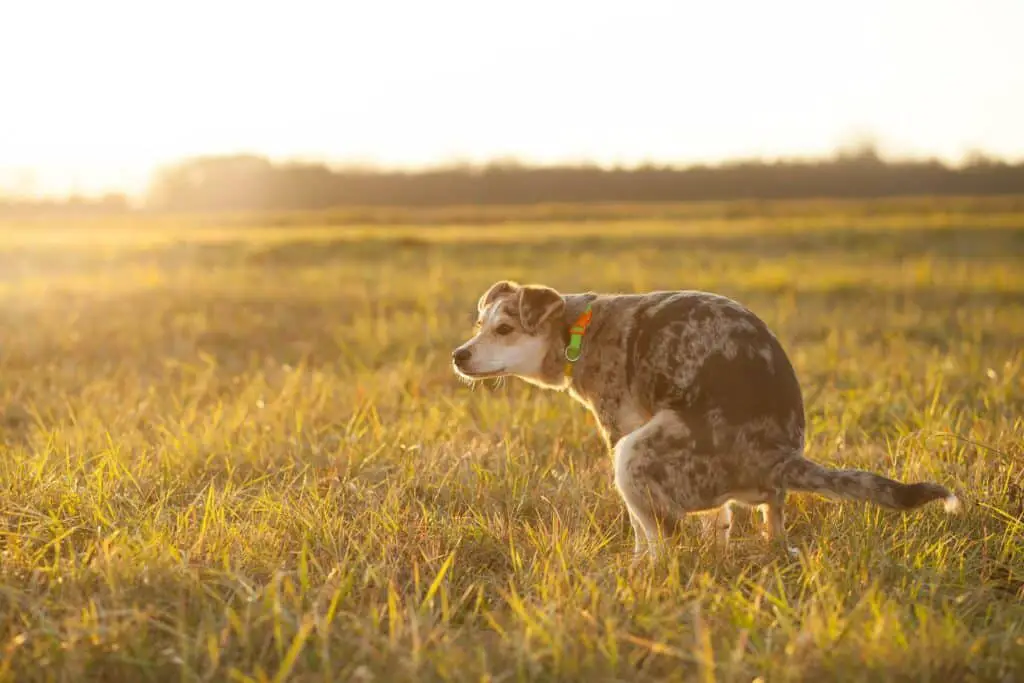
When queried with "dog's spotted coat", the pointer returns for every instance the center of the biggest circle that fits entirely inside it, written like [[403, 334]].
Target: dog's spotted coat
[[693, 394]]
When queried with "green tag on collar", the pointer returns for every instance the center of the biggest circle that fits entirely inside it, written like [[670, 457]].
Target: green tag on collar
[[576, 332]]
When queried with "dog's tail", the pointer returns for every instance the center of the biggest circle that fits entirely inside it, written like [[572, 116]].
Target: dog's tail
[[801, 474]]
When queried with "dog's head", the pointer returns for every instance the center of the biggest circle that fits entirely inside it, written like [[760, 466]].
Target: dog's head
[[518, 332]]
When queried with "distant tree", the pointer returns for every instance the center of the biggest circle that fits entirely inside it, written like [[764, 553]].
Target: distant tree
[[254, 183]]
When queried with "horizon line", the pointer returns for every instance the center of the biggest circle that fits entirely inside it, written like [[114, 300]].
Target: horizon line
[[856, 149]]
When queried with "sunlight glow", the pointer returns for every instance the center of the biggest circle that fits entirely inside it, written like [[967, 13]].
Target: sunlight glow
[[96, 94]]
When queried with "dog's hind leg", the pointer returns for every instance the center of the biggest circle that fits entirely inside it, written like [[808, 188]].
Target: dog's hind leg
[[774, 518], [640, 494], [639, 534], [719, 524], [660, 480]]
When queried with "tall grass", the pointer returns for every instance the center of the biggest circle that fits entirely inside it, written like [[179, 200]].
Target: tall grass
[[241, 455]]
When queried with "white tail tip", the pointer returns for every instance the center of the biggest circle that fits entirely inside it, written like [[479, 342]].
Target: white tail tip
[[952, 504]]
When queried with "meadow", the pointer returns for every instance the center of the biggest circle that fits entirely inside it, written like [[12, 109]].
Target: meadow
[[233, 449]]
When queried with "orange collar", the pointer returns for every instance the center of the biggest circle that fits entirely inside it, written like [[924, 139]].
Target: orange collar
[[576, 332]]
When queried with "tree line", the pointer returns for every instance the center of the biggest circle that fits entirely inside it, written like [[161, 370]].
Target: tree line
[[253, 183]]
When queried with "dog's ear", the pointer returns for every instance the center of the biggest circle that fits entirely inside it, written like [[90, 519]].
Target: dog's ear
[[496, 290], [537, 304]]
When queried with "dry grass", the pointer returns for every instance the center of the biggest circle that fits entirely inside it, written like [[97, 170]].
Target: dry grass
[[240, 454]]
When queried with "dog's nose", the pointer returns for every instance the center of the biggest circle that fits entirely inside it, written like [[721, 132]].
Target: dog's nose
[[461, 355]]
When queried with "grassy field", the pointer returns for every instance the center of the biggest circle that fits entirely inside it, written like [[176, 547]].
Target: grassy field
[[233, 450]]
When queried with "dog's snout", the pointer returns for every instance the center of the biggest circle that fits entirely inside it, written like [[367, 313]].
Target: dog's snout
[[461, 355]]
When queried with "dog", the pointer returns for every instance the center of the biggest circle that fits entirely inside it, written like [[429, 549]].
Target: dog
[[693, 395]]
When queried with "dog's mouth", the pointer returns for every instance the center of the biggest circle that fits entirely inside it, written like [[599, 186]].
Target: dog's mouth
[[478, 374]]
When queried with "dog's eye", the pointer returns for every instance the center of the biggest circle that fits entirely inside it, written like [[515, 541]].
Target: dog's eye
[[503, 328]]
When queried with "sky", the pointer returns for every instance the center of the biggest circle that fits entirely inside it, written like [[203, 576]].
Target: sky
[[95, 95]]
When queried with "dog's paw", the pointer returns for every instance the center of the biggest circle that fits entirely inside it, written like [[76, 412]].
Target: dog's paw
[[637, 558]]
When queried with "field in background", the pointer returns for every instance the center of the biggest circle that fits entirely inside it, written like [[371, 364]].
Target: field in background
[[233, 449]]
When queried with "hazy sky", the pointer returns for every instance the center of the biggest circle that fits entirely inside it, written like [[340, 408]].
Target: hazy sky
[[95, 94]]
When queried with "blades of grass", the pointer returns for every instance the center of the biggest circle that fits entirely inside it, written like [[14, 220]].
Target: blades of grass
[[292, 655], [436, 583]]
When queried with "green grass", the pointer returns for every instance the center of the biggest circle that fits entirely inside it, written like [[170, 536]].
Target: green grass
[[239, 453]]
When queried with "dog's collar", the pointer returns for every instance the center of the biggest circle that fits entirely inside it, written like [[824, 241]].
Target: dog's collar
[[576, 332]]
